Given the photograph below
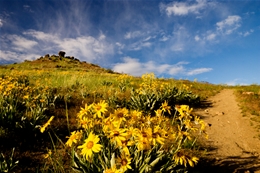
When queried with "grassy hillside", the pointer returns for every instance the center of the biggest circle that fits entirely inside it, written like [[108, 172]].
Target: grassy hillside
[[69, 93]]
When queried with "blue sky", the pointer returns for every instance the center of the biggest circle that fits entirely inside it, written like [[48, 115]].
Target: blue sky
[[213, 41]]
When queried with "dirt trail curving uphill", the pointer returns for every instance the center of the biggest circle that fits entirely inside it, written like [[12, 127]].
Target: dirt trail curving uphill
[[233, 144]]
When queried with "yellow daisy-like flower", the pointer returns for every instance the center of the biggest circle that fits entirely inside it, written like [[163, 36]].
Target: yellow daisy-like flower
[[182, 158], [111, 170], [135, 115], [84, 111], [158, 112], [87, 123], [184, 111], [143, 144], [100, 108], [157, 136], [42, 129], [118, 135], [124, 162], [120, 114], [91, 145], [74, 137], [145, 133], [107, 125], [165, 107]]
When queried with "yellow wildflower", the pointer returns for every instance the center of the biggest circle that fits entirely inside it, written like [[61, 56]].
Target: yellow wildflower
[[182, 158], [143, 144], [124, 162], [157, 136], [84, 111], [74, 137], [165, 107], [118, 135], [42, 129], [91, 145], [120, 114], [100, 108], [111, 170]]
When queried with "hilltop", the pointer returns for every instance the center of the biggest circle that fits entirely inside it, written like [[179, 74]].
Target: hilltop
[[57, 62]]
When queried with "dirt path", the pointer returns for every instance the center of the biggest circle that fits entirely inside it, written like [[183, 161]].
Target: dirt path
[[233, 144]]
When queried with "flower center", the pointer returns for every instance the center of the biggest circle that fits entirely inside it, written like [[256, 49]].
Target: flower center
[[98, 107], [124, 162], [120, 115], [90, 144], [144, 135], [154, 135], [116, 133]]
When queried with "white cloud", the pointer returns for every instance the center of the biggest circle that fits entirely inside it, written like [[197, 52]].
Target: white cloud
[[147, 39], [230, 24], [17, 57], [176, 70], [246, 33], [1, 23], [139, 45], [28, 8], [21, 43], [32, 43], [211, 36], [180, 39], [120, 46], [235, 82], [183, 8], [198, 71], [164, 38], [177, 47], [129, 66], [39, 35], [8, 55], [197, 38], [130, 35], [85, 47], [133, 67]]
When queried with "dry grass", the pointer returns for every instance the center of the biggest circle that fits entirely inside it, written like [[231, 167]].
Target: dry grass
[[249, 102]]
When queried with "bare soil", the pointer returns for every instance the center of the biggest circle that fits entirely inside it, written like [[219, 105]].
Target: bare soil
[[233, 145]]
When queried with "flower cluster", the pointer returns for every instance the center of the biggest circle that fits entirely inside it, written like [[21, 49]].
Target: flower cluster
[[23, 105], [127, 140]]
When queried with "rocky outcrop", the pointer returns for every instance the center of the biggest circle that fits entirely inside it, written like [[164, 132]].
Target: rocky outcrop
[[62, 54]]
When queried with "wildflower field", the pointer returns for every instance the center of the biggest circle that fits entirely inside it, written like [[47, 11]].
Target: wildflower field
[[55, 119]]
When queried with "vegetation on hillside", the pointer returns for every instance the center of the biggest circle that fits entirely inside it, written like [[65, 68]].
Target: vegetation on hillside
[[60, 113]]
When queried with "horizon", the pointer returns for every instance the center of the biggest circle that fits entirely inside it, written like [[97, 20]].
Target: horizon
[[213, 41]]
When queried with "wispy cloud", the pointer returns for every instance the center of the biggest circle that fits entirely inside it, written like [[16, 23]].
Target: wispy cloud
[[183, 8], [134, 34], [135, 67], [211, 36], [20, 43], [222, 29], [236, 81], [139, 45], [198, 71], [1, 23], [246, 33], [27, 8], [42, 36], [228, 25], [85, 48], [10, 56]]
